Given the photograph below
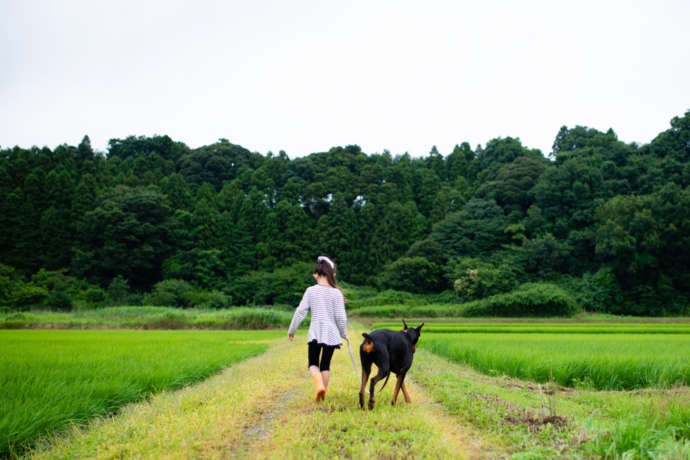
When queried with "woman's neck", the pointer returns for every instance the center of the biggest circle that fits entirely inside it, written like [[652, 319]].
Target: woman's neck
[[321, 280]]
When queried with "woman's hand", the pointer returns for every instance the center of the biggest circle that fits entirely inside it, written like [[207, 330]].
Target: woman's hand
[[291, 337]]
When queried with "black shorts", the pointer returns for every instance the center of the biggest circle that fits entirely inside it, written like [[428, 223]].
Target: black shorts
[[315, 349]]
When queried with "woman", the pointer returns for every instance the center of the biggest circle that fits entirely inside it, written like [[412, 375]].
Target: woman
[[327, 305]]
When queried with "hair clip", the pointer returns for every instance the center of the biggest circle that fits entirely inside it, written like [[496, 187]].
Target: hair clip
[[330, 262]]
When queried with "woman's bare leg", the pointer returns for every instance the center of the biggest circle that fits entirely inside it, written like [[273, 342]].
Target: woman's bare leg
[[318, 383]]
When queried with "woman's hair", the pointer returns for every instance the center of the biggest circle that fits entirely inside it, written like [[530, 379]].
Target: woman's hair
[[323, 268]]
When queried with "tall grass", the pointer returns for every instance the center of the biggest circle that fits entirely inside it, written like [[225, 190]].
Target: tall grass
[[530, 299], [599, 424], [50, 379], [152, 318], [546, 328], [409, 311], [605, 362], [663, 433]]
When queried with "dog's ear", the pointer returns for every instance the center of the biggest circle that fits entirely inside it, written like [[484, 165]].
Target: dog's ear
[[368, 345], [404, 325], [419, 328]]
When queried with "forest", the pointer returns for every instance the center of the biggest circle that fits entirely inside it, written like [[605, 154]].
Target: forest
[[153, 221]]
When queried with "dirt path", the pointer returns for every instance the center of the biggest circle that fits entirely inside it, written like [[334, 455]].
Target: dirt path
[[263, 408]]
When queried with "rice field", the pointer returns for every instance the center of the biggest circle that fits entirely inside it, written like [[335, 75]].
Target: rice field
[[143, 317], [545, 328], [263, 408], [58, 384], [595, 356], [54, 378]]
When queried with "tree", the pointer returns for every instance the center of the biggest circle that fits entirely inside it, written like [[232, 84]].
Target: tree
[[84, 198], [56, 238], [84, 151], [477, 229], [426, 186], [462, 162], [128, 234], [429, 249], [566, 196], [215, 163], [510, 184], [505, 150], [394, 232], [413, 274], [435, 163], [133, 146], [337, 236], [295, 233], [645, 240], [176, 189], [223, 211], [674, 142], [542, 257], [473, 278]]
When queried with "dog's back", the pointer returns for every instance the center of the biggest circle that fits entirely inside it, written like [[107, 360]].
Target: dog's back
[[398, 347], [391, 351]]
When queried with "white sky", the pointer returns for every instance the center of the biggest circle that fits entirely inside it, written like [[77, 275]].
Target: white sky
[[304, 76]]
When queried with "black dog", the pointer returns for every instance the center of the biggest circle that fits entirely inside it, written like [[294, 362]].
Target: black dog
[[391, 351]]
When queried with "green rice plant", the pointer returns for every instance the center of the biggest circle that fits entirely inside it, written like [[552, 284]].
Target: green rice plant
[[547, 328], [153, 318], [638, 436], [601, 361], [592, 420], [51, 379]]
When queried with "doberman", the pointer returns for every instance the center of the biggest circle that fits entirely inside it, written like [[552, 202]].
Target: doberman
[[391, 351]]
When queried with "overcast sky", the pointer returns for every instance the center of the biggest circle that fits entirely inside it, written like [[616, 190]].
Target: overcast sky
[[303, 76]]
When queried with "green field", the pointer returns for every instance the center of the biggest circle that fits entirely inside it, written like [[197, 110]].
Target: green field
[[480, 389], [152, 318], [50, 379], [604, 362], [545, 421], [545, 328], [263, 408], [598, 356]]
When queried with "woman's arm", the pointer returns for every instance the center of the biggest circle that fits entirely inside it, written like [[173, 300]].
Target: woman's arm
[[300, 314], [340, 315]]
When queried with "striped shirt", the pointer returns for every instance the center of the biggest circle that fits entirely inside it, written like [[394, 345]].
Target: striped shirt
[[327, 314]]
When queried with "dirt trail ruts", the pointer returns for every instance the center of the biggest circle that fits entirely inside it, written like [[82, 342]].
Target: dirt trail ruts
[[339, 428]]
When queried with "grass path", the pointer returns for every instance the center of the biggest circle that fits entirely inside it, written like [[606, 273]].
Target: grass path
[[263, 408]]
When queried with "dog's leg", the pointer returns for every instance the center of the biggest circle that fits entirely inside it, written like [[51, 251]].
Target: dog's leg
[[366, 371], [398, 384], [383, 372], [404, 390], [363, 387]]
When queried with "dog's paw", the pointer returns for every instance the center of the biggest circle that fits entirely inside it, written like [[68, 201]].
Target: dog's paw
[[361, 401], [371, 404]]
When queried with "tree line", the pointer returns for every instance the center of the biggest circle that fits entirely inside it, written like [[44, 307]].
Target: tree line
[[608, 220]]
